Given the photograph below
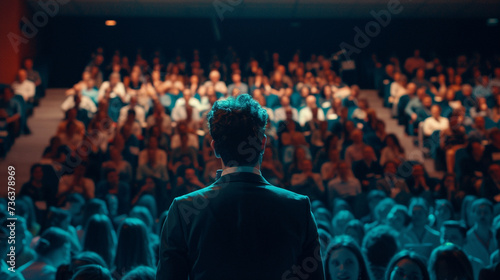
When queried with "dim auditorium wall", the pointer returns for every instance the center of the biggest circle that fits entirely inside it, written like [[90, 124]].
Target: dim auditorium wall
[[11, 56]]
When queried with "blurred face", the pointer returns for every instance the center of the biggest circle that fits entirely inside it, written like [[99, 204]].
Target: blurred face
[[450, 95], [452, 235], [435, 111], [285, 101], [411, 88], [357, 136], [306, 166], [368, 153], [114, 79], [484, 216], [443, 213], [477, 149], [406, 269], [419, 216], [190, 175], [22, 75], [343, 265], [38, 174], [343, 169], [236, 78], [427, 102], [28, 64], [420, 73], [396, 219], [311, 101], [214, 76], [113, 177]]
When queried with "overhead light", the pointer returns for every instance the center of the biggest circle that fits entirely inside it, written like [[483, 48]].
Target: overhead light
[[110, 22], [492, 22]]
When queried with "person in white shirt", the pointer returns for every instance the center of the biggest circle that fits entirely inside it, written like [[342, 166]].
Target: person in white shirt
[[187, 113], [80, 101], [435, 122], [187, 95], [113, 88], [23, 86], [140, 114], [398, 89], [215, 82], [306, 114], [280, 113]]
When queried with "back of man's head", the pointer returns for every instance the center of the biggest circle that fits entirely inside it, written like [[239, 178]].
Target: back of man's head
[[237, 126]]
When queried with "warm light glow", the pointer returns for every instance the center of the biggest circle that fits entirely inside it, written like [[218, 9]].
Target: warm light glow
[[110, 23]]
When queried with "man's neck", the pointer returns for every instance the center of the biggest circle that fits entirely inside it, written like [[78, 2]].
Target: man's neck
[[233, 169]]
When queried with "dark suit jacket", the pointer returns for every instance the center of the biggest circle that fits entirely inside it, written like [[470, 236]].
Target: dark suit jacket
[[240, 227]]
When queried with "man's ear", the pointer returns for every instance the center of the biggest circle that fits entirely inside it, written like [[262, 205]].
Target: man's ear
[[264, 141], [212, 144]]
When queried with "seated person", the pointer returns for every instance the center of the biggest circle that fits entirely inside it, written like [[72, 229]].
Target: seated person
[[308, 183], [70, 135], [419, 236], [280, 113], [112, 89], [117, 163], [306, 113], [455, 232], [367, 170], [160, 118], [24, 87], [345, 184], [188, 183], [71, 117], [79, 101], [419, 183], [236, 77], [112, 185], [53, 250], [391, 183], [271, 167], [152, 167], [355, 151], [161, 155], [182, 128], [131, 120], [435, 122], [490, 188], [139, 112], [183, 150], [76, 183]]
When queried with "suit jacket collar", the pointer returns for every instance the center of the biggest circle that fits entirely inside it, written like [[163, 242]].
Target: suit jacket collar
[[246, 177]]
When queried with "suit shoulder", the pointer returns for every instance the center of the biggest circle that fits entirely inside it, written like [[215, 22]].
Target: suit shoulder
[[286, 194]]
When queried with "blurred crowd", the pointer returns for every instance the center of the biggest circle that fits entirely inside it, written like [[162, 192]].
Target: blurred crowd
[[135, 136]]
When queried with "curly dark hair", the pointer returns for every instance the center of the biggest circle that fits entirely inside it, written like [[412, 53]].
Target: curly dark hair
[[237, 126]]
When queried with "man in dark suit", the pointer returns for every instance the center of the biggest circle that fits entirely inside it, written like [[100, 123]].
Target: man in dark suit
[[240, 227]]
